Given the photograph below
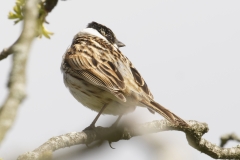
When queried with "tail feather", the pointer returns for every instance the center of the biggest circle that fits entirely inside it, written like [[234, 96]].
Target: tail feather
[[167, 114]]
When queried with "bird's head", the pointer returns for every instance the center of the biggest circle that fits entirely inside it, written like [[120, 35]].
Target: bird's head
[[105, 32]]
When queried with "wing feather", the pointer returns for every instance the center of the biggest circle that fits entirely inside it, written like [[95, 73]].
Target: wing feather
[[99, 72], [140, 81]]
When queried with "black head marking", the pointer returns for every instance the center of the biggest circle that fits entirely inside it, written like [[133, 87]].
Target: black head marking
[[105, 32]]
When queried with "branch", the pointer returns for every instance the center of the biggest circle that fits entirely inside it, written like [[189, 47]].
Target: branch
[[28, 32], [194, 136], [17, 77], [227, 137]]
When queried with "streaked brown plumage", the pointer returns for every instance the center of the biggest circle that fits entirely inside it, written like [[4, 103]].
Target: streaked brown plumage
[[98, 74]]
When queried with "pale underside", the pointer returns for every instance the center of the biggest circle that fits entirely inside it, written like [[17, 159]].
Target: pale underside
[[94, 97]]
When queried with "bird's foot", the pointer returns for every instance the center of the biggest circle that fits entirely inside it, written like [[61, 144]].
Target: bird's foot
[[89, 128]]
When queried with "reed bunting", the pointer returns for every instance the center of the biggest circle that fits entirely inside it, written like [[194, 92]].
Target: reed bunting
[[100, 77]]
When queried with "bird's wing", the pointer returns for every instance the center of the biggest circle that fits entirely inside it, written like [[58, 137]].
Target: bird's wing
[[140, 82], [99, 72], [143, 85]]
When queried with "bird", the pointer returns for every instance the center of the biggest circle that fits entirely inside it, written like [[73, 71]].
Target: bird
[[101, 78]]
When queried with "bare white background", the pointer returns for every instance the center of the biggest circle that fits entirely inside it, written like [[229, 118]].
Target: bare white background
[[187, 51]]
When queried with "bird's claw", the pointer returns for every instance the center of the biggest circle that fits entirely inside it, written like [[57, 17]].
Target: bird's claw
[[110, 144]]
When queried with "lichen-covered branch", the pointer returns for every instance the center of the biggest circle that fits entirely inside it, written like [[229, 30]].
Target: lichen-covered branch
[[227, 137], [194, 136], [17, 77]]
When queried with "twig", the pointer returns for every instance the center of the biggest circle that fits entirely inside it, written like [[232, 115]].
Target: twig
[[28, 33], [227, 137], [194, 136], [17, 77]]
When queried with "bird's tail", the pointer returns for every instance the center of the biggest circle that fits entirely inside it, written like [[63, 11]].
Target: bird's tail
[[167, 114]]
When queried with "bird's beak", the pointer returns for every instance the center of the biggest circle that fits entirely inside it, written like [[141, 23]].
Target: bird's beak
[[119, 44]]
